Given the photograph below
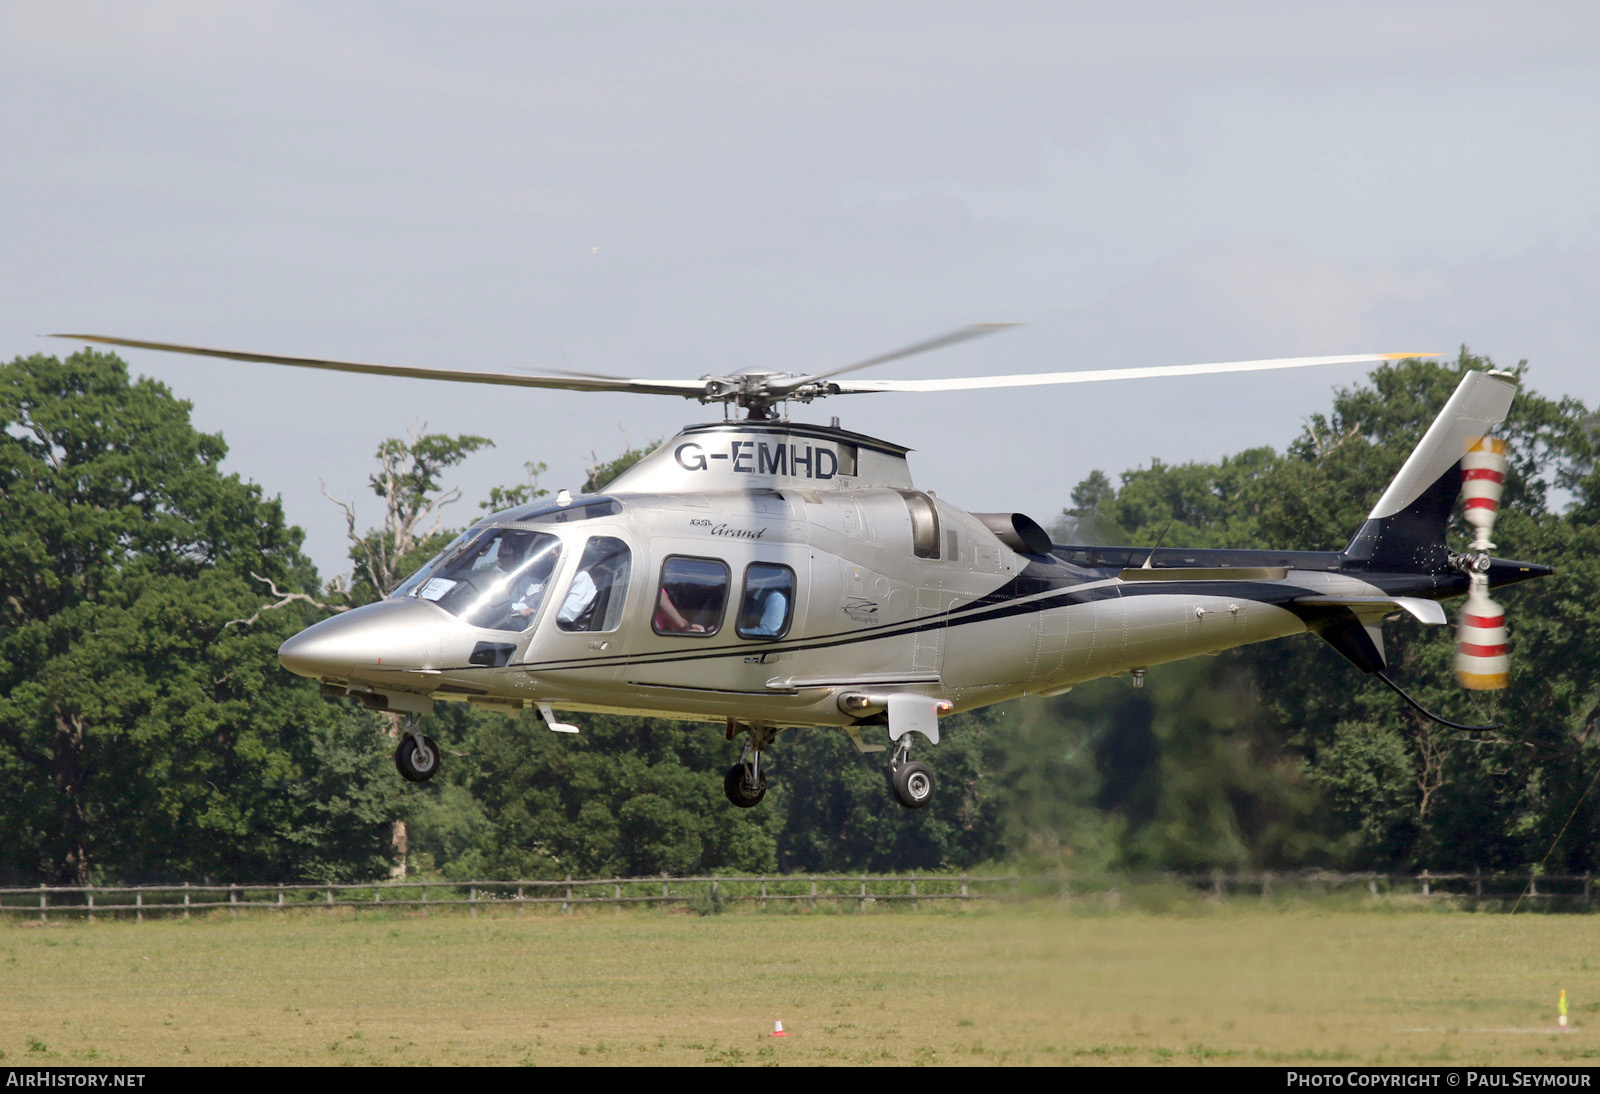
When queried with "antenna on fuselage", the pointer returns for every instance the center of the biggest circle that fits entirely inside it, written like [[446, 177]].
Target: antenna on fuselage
[[1159, 540]]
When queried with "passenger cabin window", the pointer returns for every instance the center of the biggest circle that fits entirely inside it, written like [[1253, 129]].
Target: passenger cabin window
[[693, 593], [768, 601], [924, 524], [595, 597]]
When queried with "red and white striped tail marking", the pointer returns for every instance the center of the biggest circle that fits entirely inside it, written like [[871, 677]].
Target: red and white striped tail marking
[[1482, 657], [1483, 477]]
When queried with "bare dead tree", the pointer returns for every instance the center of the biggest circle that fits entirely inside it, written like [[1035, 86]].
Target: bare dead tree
[[336, 589], [407, 484]]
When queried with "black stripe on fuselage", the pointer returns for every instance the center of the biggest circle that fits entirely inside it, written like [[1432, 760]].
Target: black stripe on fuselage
[[1050, 582]]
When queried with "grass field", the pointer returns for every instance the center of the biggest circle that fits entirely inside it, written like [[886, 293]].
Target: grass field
[[1237, 983]]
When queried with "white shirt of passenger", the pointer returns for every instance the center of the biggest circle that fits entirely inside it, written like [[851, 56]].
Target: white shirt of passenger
[[579, 597], [774, 607]]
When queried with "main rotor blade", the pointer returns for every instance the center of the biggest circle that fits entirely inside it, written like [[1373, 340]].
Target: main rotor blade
[[691, 389], [961, 334], [1034, 379]]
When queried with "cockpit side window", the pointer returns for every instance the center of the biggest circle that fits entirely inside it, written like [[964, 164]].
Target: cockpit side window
[[767, 605], [693, 593], [594, 599], [494, 578]]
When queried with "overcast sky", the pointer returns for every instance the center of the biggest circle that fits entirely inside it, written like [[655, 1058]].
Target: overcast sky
[[670, 189]]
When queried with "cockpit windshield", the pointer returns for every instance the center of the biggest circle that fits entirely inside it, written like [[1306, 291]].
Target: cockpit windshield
[[489, 577]]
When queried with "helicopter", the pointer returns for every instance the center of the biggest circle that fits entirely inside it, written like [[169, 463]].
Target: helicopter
[[772, 574]]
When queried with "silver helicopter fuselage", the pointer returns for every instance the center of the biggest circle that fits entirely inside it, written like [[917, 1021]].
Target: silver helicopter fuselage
[[889, 591]]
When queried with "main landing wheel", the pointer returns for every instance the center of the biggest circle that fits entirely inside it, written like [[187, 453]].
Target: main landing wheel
[[417, 758], [740, 790], [913, 785]]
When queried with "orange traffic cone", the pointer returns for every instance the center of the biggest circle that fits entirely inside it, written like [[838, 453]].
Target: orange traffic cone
[[777, 1030]]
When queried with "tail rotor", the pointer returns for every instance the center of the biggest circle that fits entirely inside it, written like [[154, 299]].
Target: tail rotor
[[1482, 655]]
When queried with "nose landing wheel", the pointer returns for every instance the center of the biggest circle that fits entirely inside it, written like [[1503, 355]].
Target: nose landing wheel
[[417, 757], [911, 782]]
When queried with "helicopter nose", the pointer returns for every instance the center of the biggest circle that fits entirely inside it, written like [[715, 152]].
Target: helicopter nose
[[393, 635]]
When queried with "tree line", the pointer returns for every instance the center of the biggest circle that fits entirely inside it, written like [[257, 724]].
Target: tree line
[[147, 732]]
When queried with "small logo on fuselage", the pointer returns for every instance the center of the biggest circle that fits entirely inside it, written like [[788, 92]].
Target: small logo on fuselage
[[860, 609]]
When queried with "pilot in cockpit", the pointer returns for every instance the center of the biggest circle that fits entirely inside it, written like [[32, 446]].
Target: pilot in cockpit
[[528, 577]]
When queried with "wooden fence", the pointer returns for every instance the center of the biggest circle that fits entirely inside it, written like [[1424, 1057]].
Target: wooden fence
[[701, 893], [858, 892]]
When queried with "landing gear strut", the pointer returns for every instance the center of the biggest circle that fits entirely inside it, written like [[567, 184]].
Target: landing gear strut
[[912, 782], [416, 757], [745, 784]]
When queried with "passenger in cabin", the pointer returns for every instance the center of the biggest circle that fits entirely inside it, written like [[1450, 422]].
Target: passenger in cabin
[[774, 610], [768, 597], [580, 599], [594, 599], [669, 619]]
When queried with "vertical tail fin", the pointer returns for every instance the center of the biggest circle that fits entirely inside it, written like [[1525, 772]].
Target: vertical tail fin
[[1406, 529]]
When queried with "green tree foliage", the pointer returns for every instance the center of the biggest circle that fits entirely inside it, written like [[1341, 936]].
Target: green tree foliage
[[1085, 521], [627, 796], [838, 814], [509, 497], [642, 796], [1183, 773], [145, 730]]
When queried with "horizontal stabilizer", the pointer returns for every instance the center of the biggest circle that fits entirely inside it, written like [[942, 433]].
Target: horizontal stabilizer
[[1423, 611]]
